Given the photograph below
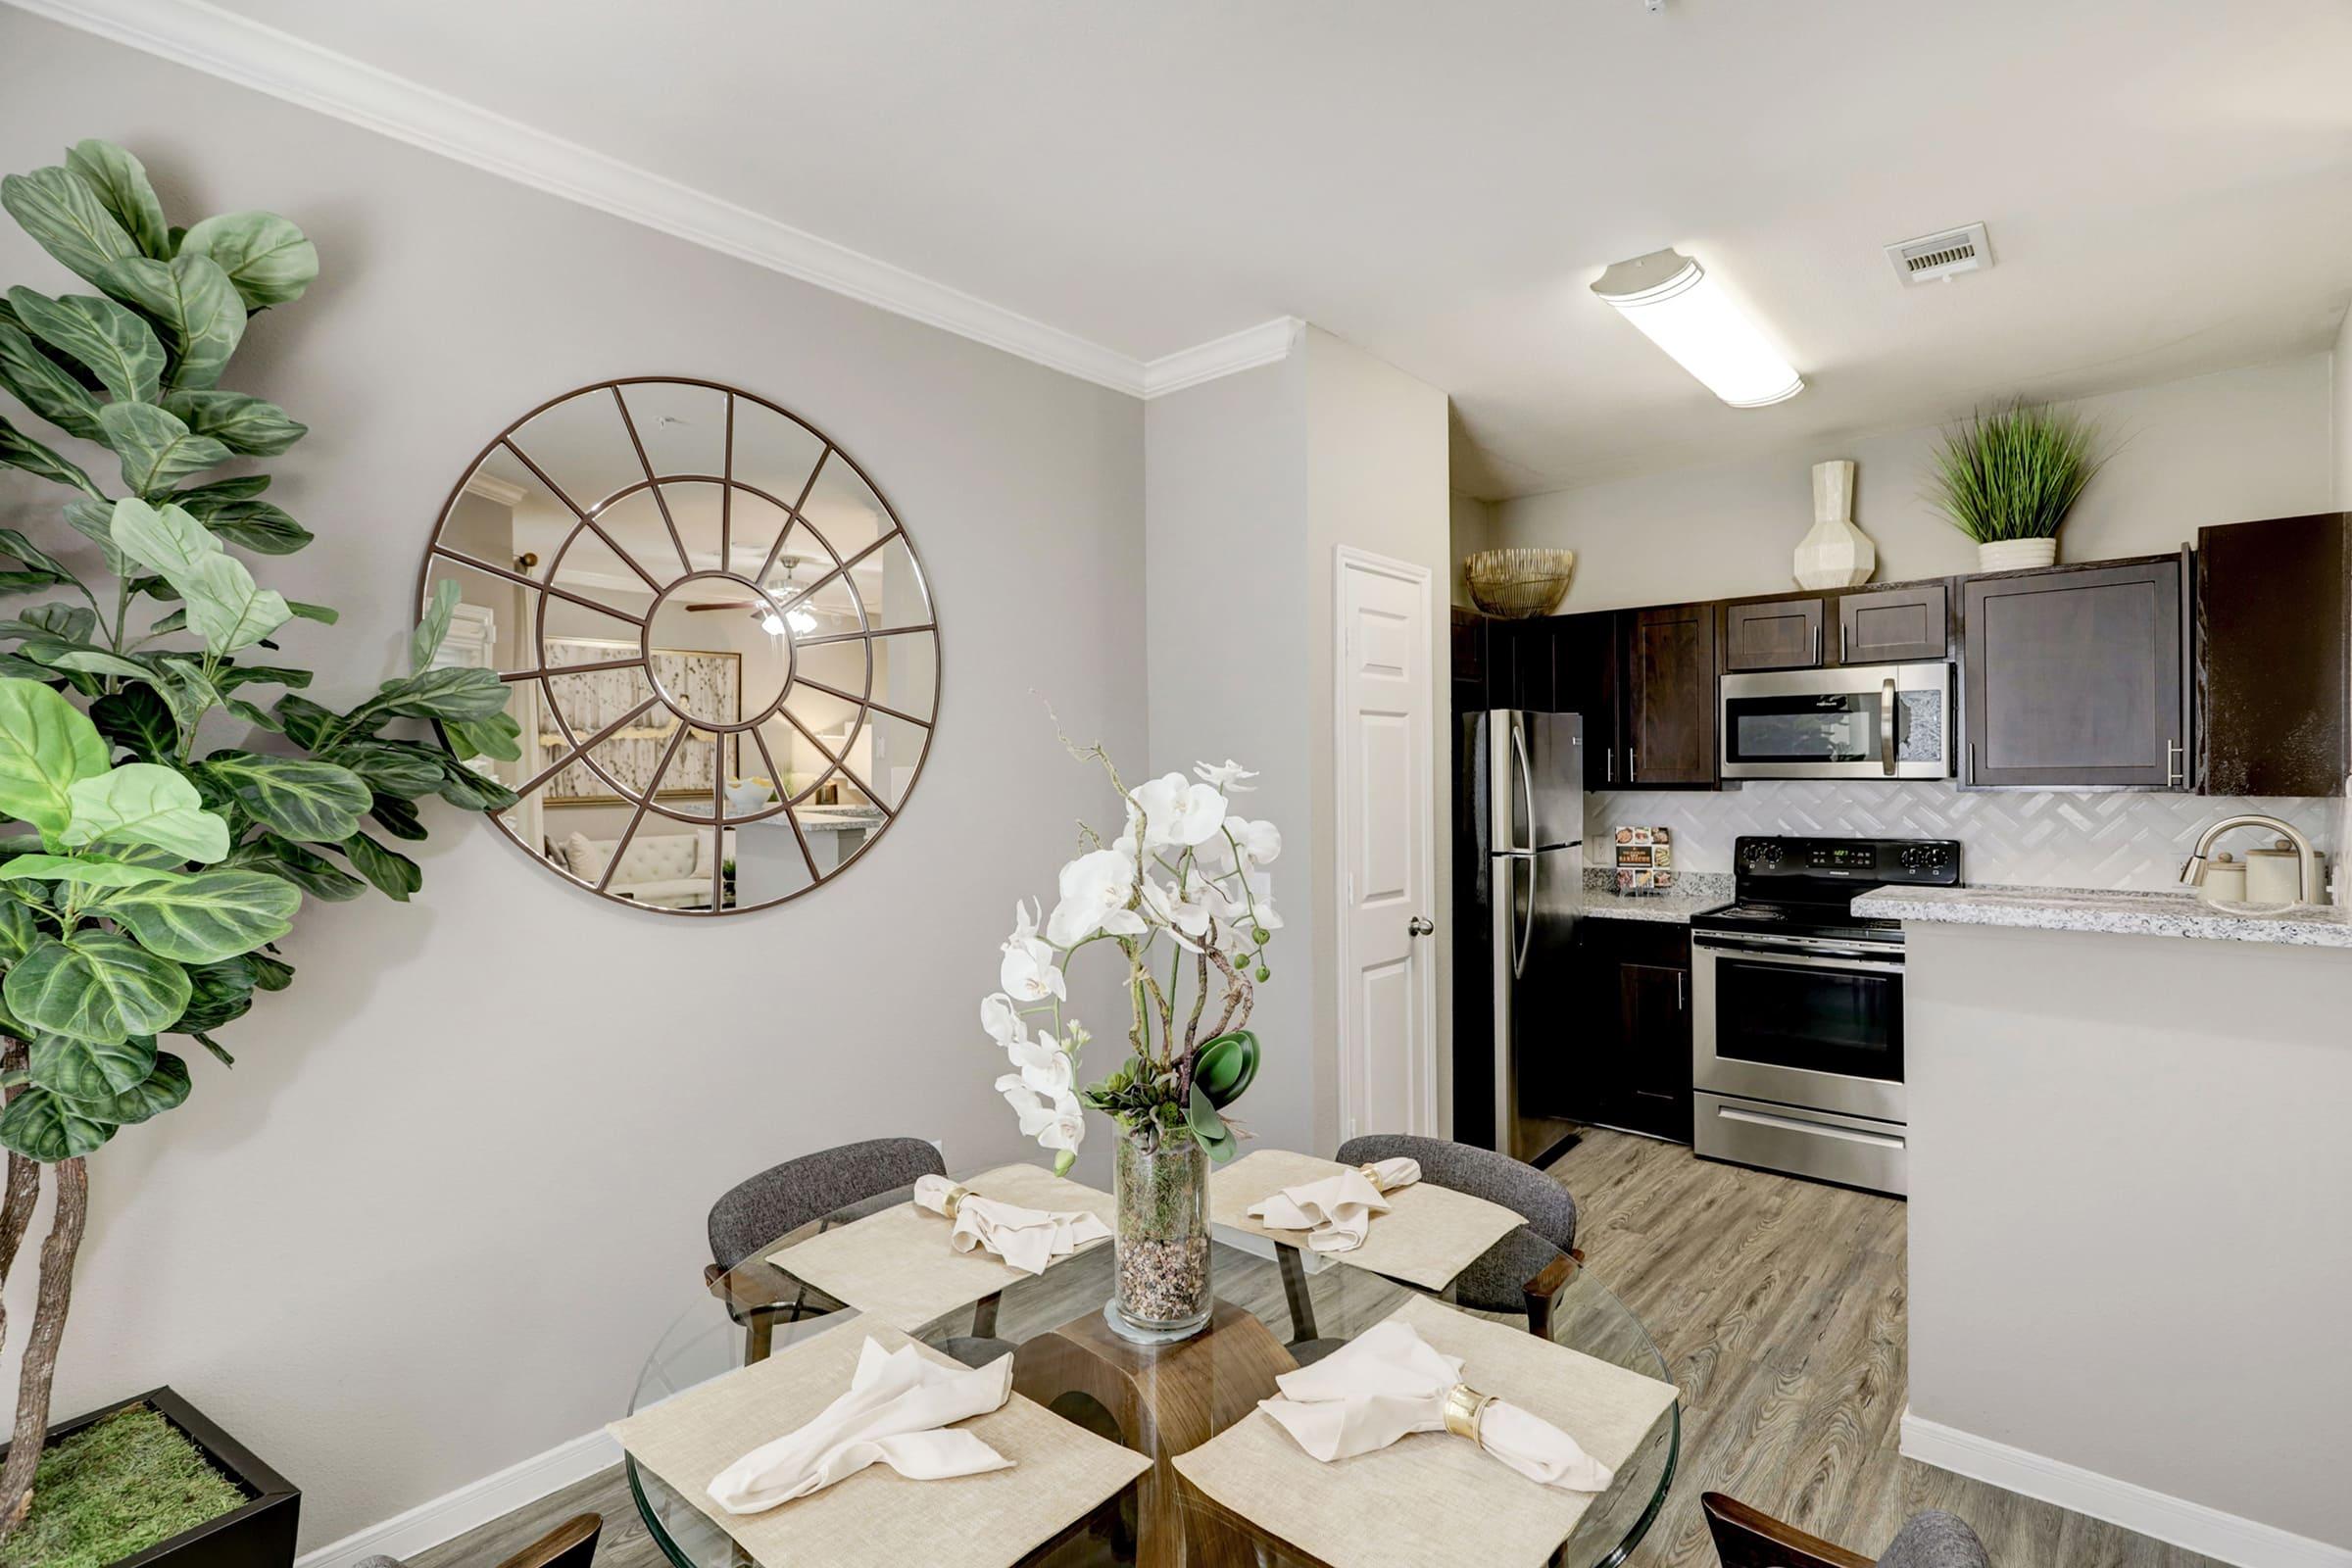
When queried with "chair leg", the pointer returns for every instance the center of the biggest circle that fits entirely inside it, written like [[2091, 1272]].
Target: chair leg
[[1294, 1291], [984, 1317], [759, 1336]]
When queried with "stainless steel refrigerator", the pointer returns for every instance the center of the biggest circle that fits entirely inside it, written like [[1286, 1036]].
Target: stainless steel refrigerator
[[1519, 865]]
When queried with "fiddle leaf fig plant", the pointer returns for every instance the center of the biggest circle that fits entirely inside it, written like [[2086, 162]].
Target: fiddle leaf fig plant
[[166, 816]]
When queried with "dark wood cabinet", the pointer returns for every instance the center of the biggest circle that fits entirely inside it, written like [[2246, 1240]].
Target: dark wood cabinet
[[2077, 676], [1774, 634], [1669, 710], [1635, 1073], [1519, 665], [1895, 625], [1469, 663], [2271, 657], [1586, 663]]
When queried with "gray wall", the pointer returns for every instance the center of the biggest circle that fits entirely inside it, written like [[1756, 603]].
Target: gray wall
[[453, 1189], [2220, 448], [2127, 1248]]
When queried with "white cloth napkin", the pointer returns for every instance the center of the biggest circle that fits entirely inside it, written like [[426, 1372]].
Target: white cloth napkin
[[1027, 1238], [896, 1413], [1337, 1210], [1390, 1381]]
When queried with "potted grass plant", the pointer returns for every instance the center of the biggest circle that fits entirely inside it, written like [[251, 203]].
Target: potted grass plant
[[164, 816], [2008, 477]]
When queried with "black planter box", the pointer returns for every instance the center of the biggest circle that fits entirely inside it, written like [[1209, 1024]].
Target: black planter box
[[259, 1535]]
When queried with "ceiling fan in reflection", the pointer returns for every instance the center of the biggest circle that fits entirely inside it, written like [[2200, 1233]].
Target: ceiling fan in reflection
[[793, 617]]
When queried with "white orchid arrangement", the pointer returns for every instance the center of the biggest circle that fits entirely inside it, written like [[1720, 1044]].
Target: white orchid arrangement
[[1187, 867]]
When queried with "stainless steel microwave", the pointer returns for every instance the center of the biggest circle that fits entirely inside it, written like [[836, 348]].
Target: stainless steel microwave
[[1861, 722]]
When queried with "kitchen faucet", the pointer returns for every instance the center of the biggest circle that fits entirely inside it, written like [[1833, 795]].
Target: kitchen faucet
[[2307, 862]]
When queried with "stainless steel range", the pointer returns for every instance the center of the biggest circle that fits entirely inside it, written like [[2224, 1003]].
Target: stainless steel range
[[1797, 1009]]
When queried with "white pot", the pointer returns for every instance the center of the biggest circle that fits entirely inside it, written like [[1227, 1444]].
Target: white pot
[[2016, 555], [1835, 554]]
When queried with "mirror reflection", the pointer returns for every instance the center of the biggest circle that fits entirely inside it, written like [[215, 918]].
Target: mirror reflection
[[715, 636]]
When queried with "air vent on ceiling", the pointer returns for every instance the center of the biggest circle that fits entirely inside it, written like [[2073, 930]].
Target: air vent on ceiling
[[1932, 257]]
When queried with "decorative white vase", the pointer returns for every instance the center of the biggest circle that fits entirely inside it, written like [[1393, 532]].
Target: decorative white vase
[[1835, 554], [2016, 555]]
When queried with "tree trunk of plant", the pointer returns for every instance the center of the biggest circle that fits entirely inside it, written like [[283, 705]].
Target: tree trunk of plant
[[23, 1189], [40, 1346]]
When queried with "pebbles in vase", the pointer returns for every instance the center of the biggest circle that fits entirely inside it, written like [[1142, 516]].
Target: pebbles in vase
[[1164, 1281]]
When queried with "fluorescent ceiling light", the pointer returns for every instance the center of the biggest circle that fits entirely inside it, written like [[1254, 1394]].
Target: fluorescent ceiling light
[[1677, 307]]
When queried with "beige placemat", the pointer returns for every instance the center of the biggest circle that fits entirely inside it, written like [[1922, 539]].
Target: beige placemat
[[897, 1265], [1429, 1235], [1432, 1496], [876, 1517]]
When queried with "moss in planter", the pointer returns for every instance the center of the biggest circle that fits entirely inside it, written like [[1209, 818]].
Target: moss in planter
[[113, 1489]]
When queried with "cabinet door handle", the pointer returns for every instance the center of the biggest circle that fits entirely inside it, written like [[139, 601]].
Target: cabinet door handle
[[1682, 998], [1841, 639], [1633, 765], [1611, 751], [2176, 758], [1972, 761]]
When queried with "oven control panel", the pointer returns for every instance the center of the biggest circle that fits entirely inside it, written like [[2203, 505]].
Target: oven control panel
[[1933, 862]]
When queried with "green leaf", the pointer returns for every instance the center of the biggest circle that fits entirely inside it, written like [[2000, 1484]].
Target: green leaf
[[138, 719], [226, 607], [18, 548], [195, 301], [398, 816], [66, 219], [223, 994], [309, 801], [207, 917], [86, 870], [164, 1089], [238, 422], [88, 1069], [394, 874], [143, 802], [122, 190], [114, 343], [258, 527], [1207, 1128], [396, 768], [44, 386], [18, 932], [60, 622], [499, 736], [204, 499], [1226, 1068], [94, 519], [314, 873], [304, 721], [89, 660], [21, 451], [156, 448], [457, 691], [181, 684], [266, 257], [47, 746], [49, 1128], [469, 790], [325, 614], [232, 675], [96, 985], [432, 629], [269, 974]]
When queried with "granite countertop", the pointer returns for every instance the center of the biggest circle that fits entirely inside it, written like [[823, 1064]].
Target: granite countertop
[[2128, 914], [1693, 893]]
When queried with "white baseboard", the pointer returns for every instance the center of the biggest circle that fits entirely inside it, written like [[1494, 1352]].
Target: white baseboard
[[2201, 1529], [477, 1502]]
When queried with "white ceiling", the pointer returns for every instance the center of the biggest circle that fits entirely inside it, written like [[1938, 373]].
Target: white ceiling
[[2168, 182]]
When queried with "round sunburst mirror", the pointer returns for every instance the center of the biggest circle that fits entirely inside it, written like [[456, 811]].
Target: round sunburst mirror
[[716, 637]]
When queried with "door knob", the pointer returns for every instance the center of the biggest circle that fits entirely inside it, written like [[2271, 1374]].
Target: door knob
[[1419, 925]]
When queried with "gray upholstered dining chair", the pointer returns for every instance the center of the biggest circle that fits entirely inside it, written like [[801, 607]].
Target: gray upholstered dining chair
[[850, 1182], [1747, 1539], [570, 1545], [1525, 1270]]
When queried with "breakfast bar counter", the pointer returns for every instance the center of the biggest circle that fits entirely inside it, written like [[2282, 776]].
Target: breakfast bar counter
[[2121, 913]]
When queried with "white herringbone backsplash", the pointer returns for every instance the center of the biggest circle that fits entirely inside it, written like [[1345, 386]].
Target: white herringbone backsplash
[[2122, 840]]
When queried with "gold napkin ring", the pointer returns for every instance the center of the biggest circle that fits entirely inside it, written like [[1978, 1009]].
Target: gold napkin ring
[[1465, 1409], [954, 1200], [1371, 1173]]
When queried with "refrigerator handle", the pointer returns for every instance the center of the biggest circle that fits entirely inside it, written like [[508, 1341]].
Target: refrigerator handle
[[1527, 929], [1527, 782]]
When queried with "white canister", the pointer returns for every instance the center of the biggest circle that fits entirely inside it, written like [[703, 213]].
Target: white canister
[[2225, 881], [2275, 875]]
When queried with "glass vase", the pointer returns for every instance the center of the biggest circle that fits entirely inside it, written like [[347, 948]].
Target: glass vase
[[1161, 1189]]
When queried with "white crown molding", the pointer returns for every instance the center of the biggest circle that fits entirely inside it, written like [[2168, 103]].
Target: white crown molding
[[490, 487], [2203, 1529], [239, 49], [1245, 350]]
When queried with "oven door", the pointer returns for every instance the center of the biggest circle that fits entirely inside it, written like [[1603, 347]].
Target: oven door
[[1864, 721], [1799, 1022]]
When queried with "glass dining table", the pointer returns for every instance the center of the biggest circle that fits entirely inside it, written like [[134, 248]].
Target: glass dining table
[[729, 1318]]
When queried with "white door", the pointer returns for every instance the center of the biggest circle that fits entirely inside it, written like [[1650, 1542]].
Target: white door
[[1386, 838]]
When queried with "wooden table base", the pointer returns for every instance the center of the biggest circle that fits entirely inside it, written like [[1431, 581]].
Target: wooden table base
[[1160, 1401]]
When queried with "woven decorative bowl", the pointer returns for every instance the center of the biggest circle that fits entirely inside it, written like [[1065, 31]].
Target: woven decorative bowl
[[1517, 584]]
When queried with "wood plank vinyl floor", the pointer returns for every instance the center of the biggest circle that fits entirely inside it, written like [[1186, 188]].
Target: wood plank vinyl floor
[[1779, 1307]]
